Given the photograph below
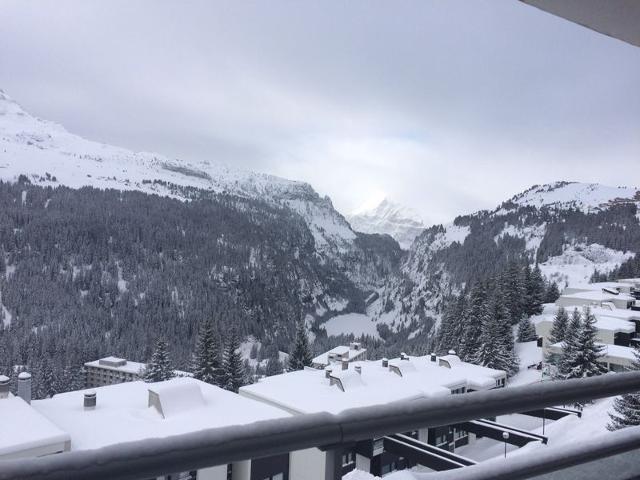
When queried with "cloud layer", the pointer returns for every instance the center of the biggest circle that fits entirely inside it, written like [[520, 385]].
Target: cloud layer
[[447, 106]]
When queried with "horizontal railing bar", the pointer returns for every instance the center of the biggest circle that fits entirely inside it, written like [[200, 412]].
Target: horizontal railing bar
[[192, 451], [546, 460]]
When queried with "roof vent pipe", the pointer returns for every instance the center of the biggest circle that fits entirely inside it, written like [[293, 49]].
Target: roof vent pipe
[[24, 386], [4, 386], [345, 364], [433, 357], [90, 400], [385, 362]]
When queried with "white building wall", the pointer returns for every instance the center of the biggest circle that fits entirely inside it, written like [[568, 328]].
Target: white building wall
[[308, 464], [241, 470], [363, 463], [213, 473]]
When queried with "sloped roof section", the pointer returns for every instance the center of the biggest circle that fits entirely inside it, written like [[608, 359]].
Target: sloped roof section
[[616, 18]]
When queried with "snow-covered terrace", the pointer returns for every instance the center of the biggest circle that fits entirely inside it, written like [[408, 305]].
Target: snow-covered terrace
[[25, 432], [122, 412]]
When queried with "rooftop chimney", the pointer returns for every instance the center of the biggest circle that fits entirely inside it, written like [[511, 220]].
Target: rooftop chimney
[[358, 369], [452, 352], [24, 386], [90, 400], [404, 356], [385, 363], [433, 357], [4, 386], [345, 364], [327, 372]]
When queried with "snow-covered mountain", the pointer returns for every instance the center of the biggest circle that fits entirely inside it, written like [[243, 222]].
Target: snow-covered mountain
[[400, 222], [572, 230], [49, 155]]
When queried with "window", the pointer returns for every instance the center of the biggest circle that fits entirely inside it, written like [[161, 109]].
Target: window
[[348, 458], [277, 476]]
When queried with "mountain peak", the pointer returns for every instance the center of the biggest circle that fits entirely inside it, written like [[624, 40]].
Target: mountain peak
[[402, 223]]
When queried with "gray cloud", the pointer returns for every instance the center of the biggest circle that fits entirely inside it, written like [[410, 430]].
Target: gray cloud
[[447, 106]]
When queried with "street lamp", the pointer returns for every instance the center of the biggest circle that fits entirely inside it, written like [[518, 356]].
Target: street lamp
[[505, 436]]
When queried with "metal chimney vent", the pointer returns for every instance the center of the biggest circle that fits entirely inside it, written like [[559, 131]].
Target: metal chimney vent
[[452, 352], [385, 363], [24, 386], [4, 386], [433, 357], [90, 400]]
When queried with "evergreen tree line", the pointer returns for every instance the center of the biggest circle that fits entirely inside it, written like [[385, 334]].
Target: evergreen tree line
[[88, 273], [477, 324]]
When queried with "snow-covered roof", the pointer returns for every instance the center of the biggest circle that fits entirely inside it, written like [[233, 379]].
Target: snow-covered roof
[[478, 377], [309, 391], [598, 296], [598, 286], [608, 350], [24, 429], [342, 352], [122, 412], [604, 321], [115, 363]]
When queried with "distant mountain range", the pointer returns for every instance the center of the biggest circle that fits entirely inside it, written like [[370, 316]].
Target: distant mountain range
[[283, 253], [400, 222]]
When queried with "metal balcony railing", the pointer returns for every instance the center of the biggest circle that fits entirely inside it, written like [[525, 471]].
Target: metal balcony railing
[[152, 458]]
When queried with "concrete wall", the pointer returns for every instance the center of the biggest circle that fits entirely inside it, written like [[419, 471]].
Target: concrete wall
[[308, 464], [213, 473], [41, 451]]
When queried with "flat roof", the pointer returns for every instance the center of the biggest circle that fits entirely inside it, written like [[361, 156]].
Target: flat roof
[[309, 391], [122, 413], [598, 296], [603, 321], [608, 350], [25, 428], [129, 367]]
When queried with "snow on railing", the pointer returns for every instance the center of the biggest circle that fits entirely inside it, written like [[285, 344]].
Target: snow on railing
[[219, 446]]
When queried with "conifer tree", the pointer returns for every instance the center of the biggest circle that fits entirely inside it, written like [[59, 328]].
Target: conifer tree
[[514, 291], [206, 363], [159, 368], [584, 361], [476, 318], [452, 326], [496, 349], [552, 293], [526, 330], [627, 406], [301, 355], [46, 381], [535, 290], [569, 345], [232, 365], [559, 327]]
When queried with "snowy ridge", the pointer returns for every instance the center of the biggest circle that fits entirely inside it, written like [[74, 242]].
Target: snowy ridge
[[586, 197], [50, 155], [400, 222]]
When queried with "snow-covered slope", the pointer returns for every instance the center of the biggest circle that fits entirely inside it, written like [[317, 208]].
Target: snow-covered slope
[[586, 197], [398, 221], [49, 155]]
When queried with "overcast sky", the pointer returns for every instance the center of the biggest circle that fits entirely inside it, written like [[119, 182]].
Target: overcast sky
[[447, 106]]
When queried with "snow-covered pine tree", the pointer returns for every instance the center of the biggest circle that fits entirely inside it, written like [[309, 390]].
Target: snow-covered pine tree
[[232, 364], [452, 326], [526, 330], [301, 355], [584, 361], [569, 346], [159, 368], [552, 293], [513, 290], [559, 327], [207, 362], [535, 290], [476, 318], [496, 349], [46, 381], [627, 406]]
